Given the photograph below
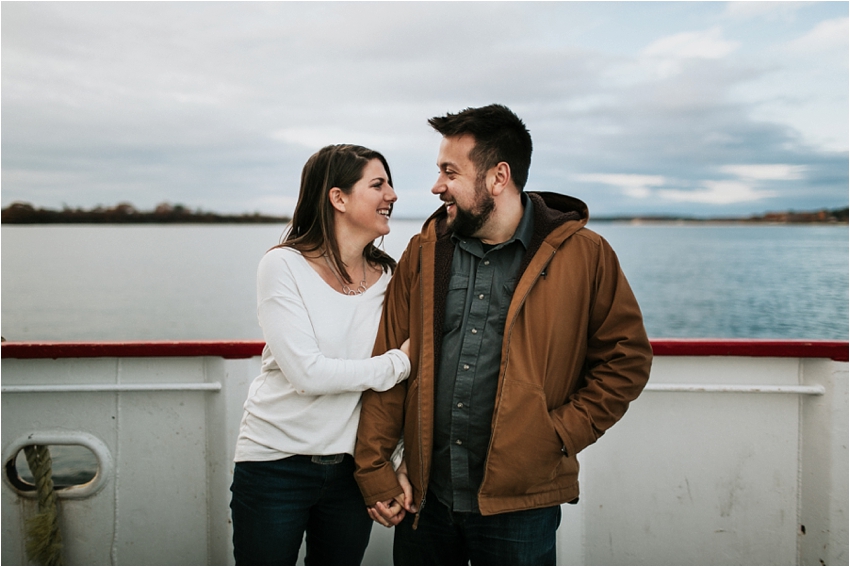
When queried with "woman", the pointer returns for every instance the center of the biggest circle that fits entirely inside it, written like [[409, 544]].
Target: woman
[[319, 299]]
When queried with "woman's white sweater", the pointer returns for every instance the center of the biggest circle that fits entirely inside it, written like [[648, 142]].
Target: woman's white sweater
[[316, 362]]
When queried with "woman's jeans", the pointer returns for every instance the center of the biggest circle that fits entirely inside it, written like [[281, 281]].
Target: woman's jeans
[[275, 502]]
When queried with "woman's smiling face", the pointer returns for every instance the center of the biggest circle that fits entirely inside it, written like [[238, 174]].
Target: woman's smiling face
[[369, 204]]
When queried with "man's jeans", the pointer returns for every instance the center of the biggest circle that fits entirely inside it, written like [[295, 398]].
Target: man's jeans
[[274, 502], [444, 537]]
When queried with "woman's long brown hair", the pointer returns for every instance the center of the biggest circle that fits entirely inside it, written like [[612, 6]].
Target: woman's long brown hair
[[312, 226]]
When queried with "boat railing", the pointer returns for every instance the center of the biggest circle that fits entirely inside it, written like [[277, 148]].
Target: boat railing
[[736, 453]]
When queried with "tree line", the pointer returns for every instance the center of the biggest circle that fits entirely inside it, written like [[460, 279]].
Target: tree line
[[125, 213]]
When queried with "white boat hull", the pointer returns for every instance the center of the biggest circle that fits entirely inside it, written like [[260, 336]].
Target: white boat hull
[[723, 460]]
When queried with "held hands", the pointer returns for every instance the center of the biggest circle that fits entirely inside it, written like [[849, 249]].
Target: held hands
[[390, 512]]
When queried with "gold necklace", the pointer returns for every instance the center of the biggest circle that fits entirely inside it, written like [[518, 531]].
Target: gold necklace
[[345, 289]]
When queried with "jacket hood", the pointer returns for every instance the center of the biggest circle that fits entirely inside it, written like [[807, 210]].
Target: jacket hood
[[563, 203]]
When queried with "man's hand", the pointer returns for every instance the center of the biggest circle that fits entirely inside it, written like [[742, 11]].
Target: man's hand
[[405, 347], [390, 512]]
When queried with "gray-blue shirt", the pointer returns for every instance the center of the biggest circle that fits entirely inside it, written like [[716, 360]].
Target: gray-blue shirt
[[480, 289]]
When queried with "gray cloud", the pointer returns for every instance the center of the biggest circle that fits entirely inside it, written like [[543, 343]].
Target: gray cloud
[[217, 105]]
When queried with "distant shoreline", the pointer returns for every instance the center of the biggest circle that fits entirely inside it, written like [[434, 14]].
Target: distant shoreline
[[837, 217], [124, 213]]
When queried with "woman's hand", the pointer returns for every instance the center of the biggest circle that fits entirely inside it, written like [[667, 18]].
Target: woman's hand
[[405, 348]]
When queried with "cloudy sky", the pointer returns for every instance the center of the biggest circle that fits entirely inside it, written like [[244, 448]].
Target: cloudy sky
[[636, 108]]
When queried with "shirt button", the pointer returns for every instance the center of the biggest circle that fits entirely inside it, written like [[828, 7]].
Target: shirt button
[[486, 262], [458, 442], [474, 331], [466, 367], [460, 404], [480, 296]]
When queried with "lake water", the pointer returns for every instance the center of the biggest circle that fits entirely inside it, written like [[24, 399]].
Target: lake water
[[143, 282], [108, 282]]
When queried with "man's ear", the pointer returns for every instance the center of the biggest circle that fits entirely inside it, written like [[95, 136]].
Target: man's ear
[[501, 176], [337, 198]]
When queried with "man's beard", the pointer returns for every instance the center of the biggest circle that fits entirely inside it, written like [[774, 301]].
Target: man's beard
[[467, 223]]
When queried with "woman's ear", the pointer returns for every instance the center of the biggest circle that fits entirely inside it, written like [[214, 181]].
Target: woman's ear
[[338, 199]]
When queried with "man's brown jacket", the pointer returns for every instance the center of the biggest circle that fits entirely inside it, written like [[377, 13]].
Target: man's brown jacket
[[574, 354]]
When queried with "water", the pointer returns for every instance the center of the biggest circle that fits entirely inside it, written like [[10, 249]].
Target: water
[[71, 465], [141, 282], [106, 282], [738, 281]]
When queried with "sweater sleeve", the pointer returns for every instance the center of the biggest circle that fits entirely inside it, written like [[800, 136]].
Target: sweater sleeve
[[290, 336]]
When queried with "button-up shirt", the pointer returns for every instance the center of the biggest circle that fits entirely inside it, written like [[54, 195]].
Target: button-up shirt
[[482, 282]]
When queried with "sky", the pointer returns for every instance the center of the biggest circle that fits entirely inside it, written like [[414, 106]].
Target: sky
[[677, 108]]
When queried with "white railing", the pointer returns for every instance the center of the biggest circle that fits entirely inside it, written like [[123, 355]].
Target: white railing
[[736, 453]]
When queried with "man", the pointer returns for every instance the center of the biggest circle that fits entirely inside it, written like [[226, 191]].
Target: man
[[526, 344]]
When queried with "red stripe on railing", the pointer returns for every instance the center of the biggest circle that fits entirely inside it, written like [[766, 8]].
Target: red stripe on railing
[[835, 350], [115, 349]]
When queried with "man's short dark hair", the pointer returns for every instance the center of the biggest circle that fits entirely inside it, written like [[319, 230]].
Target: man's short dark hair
[[500, 135]]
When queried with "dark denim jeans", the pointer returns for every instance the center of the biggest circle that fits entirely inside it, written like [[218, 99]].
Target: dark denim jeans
[[444, 537], [275, 502]]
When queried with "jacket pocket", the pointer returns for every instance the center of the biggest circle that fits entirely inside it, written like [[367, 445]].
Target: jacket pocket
[[525, 455]]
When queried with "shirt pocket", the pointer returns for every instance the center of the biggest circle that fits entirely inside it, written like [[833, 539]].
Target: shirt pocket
[[455, 301]]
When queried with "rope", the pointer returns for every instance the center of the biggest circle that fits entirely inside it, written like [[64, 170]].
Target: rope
[[44, 541]]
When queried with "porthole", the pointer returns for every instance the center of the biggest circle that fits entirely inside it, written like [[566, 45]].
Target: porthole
[[71, 465], [80, 463]]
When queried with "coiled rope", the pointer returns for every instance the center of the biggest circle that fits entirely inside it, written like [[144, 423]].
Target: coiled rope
[[44, 541]]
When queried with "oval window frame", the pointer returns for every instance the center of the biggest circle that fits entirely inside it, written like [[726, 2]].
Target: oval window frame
[[87, 440]]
